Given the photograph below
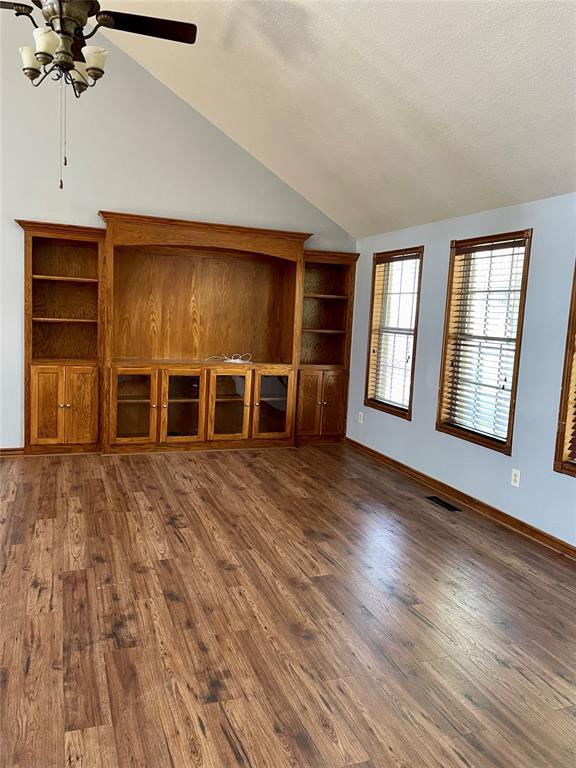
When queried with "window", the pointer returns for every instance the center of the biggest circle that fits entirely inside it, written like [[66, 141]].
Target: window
[[566, 442], [482, 338], [396, 279]]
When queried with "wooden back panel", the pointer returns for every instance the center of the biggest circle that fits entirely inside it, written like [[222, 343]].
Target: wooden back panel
[[182, 304]]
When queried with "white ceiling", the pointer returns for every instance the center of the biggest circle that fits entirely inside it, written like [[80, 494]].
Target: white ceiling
[[383, 114]]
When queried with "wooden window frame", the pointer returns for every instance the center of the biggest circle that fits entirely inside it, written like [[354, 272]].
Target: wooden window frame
[[383, 257], [502, 446], [568, 378]]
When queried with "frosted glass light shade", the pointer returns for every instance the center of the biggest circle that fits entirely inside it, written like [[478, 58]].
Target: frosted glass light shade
[[28, 58], [47, 41], [95, 57], [80, 76], [79, 72]]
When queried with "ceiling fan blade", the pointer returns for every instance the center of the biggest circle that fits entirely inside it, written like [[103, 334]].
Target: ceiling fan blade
[[179, 31], [18, 7]]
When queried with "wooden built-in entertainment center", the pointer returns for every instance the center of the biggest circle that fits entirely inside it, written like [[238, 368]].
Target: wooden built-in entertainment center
[[125, 327]]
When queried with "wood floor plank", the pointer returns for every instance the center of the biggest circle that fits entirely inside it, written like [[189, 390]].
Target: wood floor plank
[[273, 608]]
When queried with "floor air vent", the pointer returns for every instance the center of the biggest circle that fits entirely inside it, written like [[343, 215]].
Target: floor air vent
[[441, 503]]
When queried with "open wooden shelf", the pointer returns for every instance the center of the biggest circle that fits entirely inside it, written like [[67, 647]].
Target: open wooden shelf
[[326, 279], [65, 259]]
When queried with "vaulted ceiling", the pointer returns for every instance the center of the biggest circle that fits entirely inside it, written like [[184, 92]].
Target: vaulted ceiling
[[382, 114]]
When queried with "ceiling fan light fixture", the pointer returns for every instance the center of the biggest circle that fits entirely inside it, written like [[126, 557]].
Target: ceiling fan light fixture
[[47, 42], [95, 60], [29, 64]]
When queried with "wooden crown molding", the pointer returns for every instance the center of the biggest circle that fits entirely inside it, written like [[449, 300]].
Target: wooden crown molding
[[520, 527], [113, 217], [48, 229]]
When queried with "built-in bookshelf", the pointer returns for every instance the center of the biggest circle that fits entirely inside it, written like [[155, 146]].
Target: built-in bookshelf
[[325, 313], [64, 300]]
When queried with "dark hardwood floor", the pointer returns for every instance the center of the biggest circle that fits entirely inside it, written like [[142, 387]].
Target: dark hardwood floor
[[270, 609]]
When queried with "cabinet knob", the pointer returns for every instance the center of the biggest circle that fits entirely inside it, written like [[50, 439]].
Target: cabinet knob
[[164, 405], [325, 402], [61, 405], [68, 405], [256, 405], [246, 405], [153, 405]]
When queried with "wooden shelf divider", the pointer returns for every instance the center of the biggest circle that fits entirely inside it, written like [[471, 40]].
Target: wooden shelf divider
[[64, 320], [64, 279]]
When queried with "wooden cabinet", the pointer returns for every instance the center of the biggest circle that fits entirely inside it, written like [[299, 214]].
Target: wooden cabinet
[[182, 411], [229, 408], [152, 303], [321, 403], [333, 403], [134, 406], [81, 406], [63, 404], [273, 403], [309, 403]]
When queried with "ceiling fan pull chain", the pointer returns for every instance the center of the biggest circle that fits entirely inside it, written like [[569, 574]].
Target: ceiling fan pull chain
[[61, 132], [65, 125]]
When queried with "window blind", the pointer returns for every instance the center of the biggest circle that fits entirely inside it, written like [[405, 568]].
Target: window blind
[[566, 442], [483, 328], [392, 340]]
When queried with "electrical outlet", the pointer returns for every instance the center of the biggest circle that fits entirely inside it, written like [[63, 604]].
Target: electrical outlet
[[360, 417], [515, 480]]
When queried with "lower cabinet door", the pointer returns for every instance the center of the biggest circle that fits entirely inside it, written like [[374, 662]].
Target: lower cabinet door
[[182, 405], [134, 411], [47, 401], [229, 412], [333, 403], [308, 414], [81, 406], [273, 404]]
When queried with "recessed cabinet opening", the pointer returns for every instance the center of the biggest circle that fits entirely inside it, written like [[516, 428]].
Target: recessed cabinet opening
[[64, 340], [326, 279], [174, 304], [64, 300], [68, 259]]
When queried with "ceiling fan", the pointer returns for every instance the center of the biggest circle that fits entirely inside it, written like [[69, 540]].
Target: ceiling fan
[[60, 48]]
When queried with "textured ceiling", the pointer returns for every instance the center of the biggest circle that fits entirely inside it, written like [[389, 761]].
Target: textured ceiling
[[383, 114]]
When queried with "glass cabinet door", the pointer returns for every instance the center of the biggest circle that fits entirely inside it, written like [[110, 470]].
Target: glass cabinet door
[[272, 398], [229, 405], [135, 405], [182, 414]]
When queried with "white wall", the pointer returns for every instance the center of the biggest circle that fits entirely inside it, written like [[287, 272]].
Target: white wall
[[545, 499], [133, 146]]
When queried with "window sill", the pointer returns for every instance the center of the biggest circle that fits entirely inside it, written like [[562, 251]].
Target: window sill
[[393, 410], [475, 437], [565, 467]]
